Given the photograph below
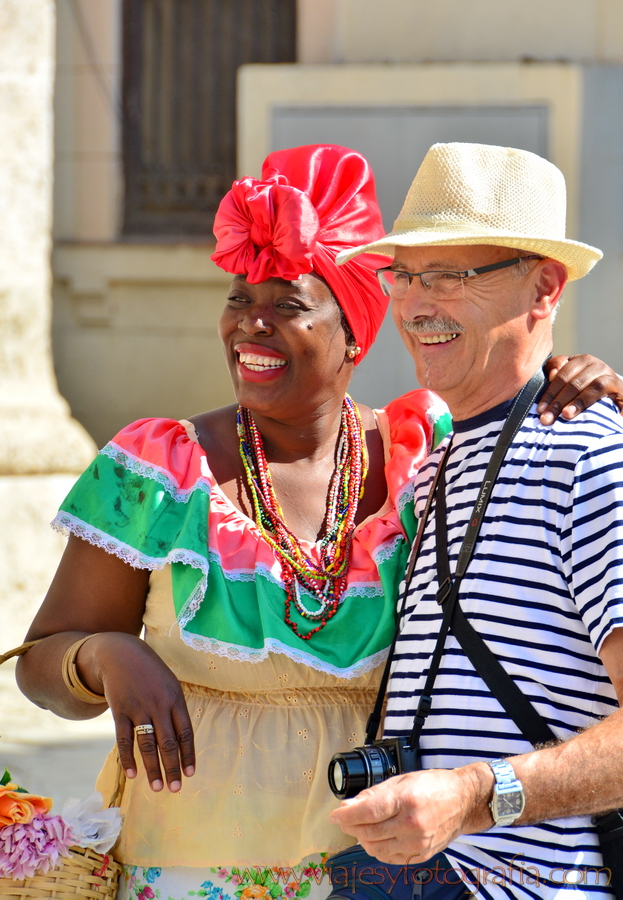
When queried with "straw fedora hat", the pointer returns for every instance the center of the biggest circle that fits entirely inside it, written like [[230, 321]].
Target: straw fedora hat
[[481, 194]]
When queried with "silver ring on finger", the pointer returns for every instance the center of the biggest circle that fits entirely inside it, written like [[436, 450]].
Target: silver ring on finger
[[144, 729]]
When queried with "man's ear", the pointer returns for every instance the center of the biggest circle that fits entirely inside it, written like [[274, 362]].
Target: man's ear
[[550, 281]]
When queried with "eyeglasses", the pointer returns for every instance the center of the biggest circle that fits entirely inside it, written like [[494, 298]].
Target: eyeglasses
[[439, 284]]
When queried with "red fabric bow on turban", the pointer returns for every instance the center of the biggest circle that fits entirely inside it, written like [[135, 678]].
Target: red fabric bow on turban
[[310, 203]]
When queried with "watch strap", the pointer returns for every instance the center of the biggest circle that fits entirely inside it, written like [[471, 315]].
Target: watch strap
[[506, 782]]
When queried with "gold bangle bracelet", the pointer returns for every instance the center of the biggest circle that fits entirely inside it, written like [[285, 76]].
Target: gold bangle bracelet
[[72, 679]]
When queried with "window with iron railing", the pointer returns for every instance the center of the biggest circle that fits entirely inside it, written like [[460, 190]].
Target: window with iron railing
[[180, 59]]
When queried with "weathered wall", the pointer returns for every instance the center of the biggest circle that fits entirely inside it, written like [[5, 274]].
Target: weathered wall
[[146, 344], [413, 31], [135, 332], [600, 297], [134, 329]]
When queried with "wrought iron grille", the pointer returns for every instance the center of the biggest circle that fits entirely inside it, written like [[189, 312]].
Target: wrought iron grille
[[180, 59]]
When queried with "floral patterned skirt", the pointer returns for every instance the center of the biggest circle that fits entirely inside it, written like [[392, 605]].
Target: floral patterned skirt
[[307, 879]]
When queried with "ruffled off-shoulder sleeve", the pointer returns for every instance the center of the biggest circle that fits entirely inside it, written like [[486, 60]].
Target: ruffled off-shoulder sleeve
[[417, 422], [145, 499]]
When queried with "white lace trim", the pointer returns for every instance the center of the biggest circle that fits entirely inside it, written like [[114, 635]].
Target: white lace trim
[[437, 410], [189, 610], [386, 550], [235, 574], [405, 496], [155, 473], [271, 645], [354, 589], [370, 590], [66, 523], [433, 414]]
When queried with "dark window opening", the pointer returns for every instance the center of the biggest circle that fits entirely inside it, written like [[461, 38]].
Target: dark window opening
[[180, 59]]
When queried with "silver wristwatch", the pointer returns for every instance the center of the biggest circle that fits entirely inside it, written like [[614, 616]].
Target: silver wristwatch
[[508, 800]]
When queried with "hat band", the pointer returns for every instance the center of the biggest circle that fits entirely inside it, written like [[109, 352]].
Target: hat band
[[426, 226]]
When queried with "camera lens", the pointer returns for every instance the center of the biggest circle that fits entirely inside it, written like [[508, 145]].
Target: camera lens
[[337, 776], [350, 773]]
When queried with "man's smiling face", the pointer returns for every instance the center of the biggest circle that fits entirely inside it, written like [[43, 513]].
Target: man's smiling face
[[463, 347]]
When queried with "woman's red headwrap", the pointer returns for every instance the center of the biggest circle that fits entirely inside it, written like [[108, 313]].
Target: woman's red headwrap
[[310, 203]]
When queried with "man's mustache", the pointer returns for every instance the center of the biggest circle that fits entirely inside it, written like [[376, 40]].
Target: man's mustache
[[432, 325]]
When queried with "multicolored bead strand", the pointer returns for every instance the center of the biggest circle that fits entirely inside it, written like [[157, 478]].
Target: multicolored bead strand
[[325, 581]]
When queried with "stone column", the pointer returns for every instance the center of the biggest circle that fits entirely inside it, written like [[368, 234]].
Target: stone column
[[42, 448]]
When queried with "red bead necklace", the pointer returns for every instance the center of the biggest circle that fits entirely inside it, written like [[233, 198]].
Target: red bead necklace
[[325, 582]]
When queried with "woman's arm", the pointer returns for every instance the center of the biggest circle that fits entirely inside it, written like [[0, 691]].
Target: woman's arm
[[576, 382], [95, 593]]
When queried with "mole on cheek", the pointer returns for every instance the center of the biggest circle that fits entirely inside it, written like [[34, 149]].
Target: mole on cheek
[[309, 326]]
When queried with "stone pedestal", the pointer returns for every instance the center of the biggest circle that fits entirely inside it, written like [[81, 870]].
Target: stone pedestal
[[29, 548], [37, 434], [42, 449]]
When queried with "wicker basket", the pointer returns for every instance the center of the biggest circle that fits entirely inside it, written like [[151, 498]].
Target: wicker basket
[[84, 873]]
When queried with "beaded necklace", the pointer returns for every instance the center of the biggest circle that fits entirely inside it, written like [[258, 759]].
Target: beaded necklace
[[324, 581]]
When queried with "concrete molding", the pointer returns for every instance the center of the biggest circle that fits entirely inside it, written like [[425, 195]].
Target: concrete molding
[[89, 270], [91, 267]]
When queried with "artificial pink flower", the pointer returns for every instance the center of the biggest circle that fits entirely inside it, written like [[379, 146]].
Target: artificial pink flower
[[36, 846]]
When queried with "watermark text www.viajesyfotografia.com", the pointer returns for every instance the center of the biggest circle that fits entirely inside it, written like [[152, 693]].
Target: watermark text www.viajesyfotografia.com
[[357, 877]]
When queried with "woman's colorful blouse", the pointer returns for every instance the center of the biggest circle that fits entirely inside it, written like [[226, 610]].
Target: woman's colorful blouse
[[268, 709]]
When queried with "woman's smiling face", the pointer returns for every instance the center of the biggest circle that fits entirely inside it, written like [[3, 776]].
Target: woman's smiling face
[[285, 345]]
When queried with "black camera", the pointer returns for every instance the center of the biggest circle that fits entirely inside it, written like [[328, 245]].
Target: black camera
[[362, 767]]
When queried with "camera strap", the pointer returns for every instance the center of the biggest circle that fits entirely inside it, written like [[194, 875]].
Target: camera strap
[[484, 661], [374, 719], [448, 590]]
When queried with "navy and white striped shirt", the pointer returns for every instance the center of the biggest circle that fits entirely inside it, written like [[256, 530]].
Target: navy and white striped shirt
[[544, 588]]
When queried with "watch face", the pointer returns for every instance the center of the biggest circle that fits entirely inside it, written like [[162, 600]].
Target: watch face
[[510, 804]]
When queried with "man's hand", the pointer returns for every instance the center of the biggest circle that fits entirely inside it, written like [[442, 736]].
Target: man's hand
[[416, 815], [411, 817]]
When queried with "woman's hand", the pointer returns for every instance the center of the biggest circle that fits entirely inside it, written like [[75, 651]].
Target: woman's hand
[[576, 382], [95, 593], [141, 690]]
